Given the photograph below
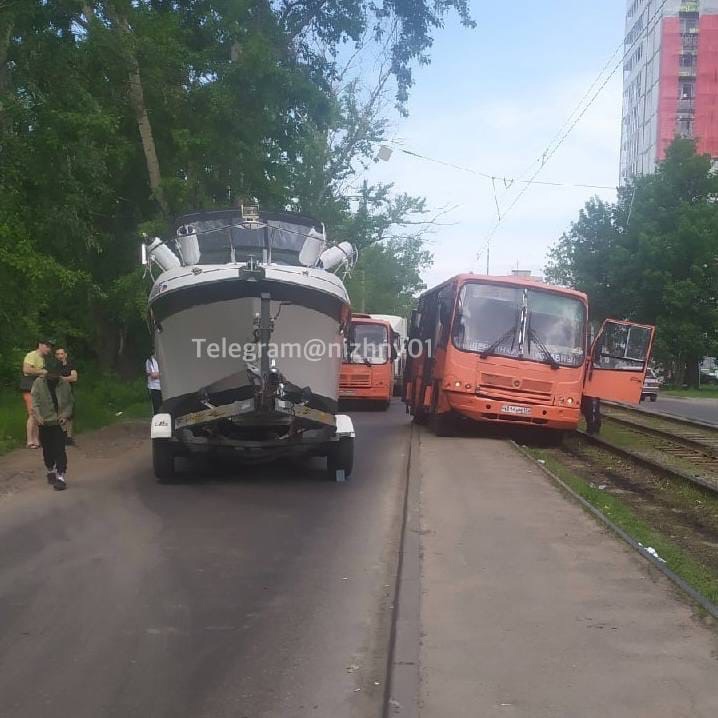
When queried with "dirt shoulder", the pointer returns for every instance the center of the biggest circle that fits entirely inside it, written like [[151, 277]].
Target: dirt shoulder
[[23, 469]]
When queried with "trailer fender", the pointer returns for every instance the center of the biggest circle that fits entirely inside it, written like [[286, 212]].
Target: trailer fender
[[345, 427], [161, 427]]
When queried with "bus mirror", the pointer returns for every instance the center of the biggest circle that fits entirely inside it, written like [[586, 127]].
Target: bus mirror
[[394, 353]]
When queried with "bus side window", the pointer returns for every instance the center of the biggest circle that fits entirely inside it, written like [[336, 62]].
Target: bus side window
[[427, 328], [445, 302], [414, 324]]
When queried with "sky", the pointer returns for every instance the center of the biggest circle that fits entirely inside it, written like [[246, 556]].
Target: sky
[[492, 99]]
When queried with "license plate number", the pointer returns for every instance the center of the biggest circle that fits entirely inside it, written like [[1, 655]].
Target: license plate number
[[516, 410]]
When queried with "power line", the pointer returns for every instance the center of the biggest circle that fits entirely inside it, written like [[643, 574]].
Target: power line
[[626, 52], [540, 160], [553, 147], [508, 181]]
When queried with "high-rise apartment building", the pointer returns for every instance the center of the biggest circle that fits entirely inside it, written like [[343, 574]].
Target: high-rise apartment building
[[670, 80]]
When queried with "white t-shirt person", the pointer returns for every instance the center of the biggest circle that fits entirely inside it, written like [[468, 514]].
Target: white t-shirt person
[[152, 367]]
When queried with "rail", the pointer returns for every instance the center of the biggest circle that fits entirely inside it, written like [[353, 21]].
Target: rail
[[691, 435], [651, 464]]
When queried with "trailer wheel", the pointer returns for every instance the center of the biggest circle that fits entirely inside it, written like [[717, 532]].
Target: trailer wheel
[[341, 458], [163, 460]]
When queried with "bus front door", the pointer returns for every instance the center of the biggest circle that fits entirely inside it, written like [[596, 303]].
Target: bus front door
[[619, 361]]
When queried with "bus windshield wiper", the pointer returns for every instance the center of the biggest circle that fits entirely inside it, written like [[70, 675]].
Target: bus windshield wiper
[[550, 359], [506, 335]]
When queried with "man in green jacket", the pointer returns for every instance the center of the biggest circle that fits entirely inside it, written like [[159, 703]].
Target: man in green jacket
[[52, 403]]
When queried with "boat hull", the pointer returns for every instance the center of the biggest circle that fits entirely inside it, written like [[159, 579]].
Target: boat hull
[[205, 332]]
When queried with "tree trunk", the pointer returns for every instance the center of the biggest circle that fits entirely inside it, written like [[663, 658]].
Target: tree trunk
[[680, 373], [137, 100], [6, 26], [693, 373]]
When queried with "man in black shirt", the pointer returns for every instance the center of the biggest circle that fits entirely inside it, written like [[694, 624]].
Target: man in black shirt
[[68, 374]]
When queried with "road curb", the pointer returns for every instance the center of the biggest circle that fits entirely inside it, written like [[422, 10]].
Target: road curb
[[402, 684], [707, 605]]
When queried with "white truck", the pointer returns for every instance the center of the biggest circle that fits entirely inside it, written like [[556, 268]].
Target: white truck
[[400, 327]]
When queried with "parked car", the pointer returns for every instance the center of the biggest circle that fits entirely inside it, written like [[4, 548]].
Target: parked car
[[651, 384]]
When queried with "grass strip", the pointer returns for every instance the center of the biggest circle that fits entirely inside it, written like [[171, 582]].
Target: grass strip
[[709, 391], [694, 573]]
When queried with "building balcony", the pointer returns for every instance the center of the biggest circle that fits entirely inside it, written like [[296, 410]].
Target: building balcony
[[687, 71], [689, 7]]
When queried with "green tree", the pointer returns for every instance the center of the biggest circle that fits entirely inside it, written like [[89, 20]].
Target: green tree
[[653, 257], [117, 115]]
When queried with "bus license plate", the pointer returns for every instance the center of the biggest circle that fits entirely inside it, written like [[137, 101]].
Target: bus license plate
[[516, 410]]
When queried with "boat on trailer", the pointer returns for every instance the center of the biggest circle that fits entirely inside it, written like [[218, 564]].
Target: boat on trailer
[[248, 316]]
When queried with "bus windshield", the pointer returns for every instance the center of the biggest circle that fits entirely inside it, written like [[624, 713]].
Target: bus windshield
[[369, 345], [521, 323]]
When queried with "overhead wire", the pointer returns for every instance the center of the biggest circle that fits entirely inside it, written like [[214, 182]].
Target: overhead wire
[[508, 181], [556, 144]]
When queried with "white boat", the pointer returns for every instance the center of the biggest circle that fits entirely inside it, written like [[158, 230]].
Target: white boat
[[248, 320]]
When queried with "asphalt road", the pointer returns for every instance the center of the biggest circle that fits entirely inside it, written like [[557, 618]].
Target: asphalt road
[[698, 409], [263, 592]]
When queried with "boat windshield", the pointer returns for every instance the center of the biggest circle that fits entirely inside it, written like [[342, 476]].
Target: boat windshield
[[228, 238], [369, 344], [521, 323]]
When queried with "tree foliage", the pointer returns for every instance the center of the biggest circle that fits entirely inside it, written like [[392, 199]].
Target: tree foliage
[[117, 115], [653, 256]]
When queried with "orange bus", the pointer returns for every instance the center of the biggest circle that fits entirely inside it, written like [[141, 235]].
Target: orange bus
[[367, 370], [514, 350]]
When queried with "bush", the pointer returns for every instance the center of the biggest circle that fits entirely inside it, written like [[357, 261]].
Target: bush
[[101, 399]]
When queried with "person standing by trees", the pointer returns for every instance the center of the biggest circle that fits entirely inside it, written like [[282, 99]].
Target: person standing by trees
[[68, 374], [33, 366], [152, 369], [52, 403]]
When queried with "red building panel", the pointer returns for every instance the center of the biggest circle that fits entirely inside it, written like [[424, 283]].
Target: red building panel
[[669, 84], [706, 119]]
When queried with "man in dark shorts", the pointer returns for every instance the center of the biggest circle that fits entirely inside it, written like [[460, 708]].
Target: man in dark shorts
[[51, 406], [68, 374]]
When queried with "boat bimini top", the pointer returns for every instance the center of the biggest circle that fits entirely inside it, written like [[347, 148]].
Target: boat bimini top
[[245, 236]]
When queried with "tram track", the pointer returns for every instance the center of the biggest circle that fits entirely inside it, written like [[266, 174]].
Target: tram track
[[694, 457], [661, 482], [693, 435]]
